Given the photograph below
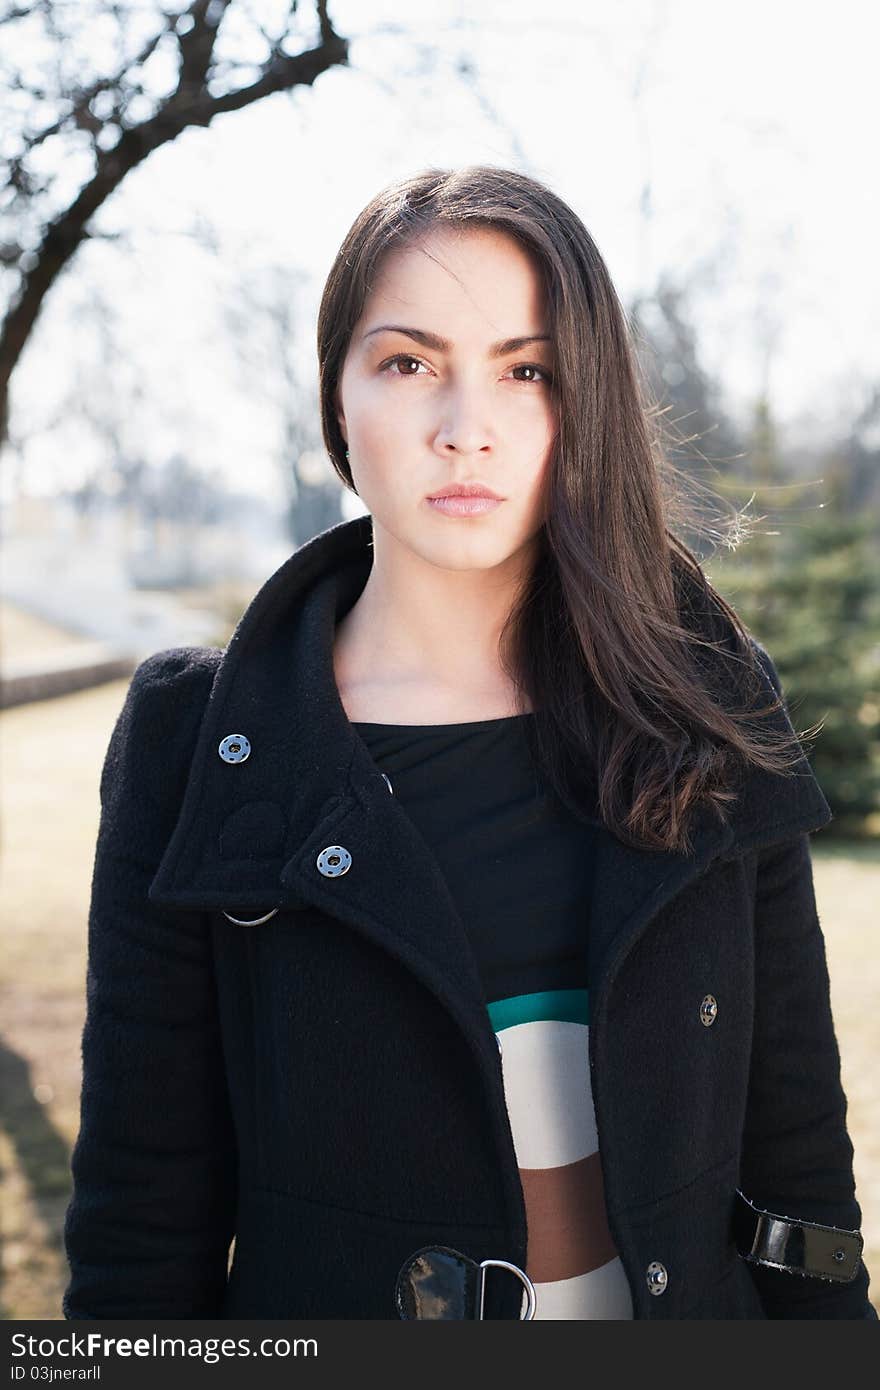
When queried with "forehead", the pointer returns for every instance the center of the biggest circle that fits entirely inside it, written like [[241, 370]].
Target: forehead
[[479, 279]]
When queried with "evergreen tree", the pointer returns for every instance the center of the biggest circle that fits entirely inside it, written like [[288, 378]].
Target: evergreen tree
[[810, 593]]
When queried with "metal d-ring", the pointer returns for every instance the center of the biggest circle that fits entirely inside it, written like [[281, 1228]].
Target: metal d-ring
[[514, 1269], [252, 921]]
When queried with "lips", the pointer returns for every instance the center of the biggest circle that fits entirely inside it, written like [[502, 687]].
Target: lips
[[464, 505], [465, 490]]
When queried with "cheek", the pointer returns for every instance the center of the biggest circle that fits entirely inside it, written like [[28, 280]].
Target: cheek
[[534, 462], [533, 430], [382, 427], [535, 488]]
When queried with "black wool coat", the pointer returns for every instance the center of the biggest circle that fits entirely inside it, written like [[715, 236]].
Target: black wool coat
[[324, 1084]]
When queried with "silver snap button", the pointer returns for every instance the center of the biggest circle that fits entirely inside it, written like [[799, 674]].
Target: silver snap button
[[387, 781], [708, 1010], [333, 861], [656, 1277], [234, 748]]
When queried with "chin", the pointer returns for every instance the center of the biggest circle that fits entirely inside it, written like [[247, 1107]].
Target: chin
[[467, 552]]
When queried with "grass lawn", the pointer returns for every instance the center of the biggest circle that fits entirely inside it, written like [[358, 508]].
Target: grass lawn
[[50, 762]]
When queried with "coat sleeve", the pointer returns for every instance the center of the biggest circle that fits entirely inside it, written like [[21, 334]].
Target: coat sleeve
[[151, 1216], [797, 1156]]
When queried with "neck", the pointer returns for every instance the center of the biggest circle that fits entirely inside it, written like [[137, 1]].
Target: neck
[[416, 624]]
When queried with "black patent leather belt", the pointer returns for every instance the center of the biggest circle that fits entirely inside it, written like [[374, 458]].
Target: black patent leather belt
[[439, 1282], [802, 1247]]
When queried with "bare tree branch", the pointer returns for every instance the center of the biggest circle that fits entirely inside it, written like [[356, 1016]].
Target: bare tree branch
[[103, 118]]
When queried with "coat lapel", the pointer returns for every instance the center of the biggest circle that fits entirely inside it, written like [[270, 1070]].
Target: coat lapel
[[249, 835], [632, 884]]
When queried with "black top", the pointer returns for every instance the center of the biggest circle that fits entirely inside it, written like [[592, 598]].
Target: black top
[[518, 865]]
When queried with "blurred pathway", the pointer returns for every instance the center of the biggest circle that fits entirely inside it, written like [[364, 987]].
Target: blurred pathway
[[84, 591]]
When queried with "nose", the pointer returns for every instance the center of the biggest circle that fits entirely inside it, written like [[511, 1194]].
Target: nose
[[465, 426]]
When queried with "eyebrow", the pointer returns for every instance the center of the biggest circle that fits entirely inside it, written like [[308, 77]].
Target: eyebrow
[[438, 344]]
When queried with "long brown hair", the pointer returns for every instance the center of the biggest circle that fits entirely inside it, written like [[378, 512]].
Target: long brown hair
[[615, 635]]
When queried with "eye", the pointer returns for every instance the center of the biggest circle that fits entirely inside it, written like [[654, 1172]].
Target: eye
[[544, 376], [533, 367], [401, 357]]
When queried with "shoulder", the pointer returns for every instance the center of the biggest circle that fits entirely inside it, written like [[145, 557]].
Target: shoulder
[[169, 683], [728, 655], [766, 664], [154, 735], [177, 667]]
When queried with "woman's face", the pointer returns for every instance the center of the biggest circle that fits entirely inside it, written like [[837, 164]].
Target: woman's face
[[418, 414]]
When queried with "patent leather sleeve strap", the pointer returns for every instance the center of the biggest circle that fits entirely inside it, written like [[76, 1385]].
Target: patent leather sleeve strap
[[802, 1247]]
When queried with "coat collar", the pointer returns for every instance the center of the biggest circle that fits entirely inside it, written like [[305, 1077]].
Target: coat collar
[[248, 835]]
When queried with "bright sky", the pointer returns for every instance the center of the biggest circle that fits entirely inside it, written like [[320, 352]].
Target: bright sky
[[755, 126]]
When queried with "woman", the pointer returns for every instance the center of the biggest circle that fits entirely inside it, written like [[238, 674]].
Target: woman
[[453, 945]]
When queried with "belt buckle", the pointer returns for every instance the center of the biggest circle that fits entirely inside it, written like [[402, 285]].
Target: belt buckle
[[532, 1297]]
